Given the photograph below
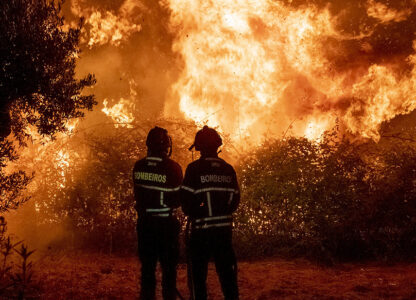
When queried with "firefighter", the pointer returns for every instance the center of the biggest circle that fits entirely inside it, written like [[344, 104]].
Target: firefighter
[[209, 196], [157, 180]]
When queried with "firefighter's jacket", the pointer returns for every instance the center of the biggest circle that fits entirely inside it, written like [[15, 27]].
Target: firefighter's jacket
[[157, 182], [210, 193]]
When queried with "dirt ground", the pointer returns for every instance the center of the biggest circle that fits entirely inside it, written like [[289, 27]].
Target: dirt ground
[[95, 276]]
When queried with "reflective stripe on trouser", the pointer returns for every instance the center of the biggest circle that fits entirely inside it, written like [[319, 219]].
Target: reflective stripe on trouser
[[159, 212], [216, 243], [213, 221], [158, 241]]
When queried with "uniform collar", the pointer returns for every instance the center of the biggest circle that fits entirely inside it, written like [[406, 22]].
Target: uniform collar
[[158, 155], [155, 158], [210, 155], [212, 158]]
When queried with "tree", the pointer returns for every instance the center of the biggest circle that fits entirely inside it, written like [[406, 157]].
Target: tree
[[37, 80], [12, 184]]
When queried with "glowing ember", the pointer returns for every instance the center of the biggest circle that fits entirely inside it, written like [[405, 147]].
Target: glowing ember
[[315, 129], [108, 28], [62, 159], [385, 14], [71, 125], [120, 113]]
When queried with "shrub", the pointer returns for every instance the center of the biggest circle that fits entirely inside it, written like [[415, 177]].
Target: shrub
[[327, 200]]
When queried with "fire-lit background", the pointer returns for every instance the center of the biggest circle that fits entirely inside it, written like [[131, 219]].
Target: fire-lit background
[[255, 70], [315, 101]]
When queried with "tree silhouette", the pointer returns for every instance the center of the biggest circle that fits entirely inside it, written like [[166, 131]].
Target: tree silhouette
[[37, 80]]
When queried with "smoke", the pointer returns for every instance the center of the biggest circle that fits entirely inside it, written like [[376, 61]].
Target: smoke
[[26, 225]]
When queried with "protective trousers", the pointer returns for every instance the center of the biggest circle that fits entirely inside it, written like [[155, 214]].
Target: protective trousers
[[158, 241], [202, 245]]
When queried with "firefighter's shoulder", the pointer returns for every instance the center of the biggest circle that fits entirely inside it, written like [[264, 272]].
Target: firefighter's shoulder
[[192, 166], [140, 163], [170, 163], [224, 163], [172, 166], [217, 162]]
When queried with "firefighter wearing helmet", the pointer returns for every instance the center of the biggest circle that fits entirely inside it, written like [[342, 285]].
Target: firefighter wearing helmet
[[210, 194], [157, 180]]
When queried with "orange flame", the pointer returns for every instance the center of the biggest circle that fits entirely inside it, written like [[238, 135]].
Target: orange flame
[[385, 14], [247, 62], [119, 112], [107, 27]]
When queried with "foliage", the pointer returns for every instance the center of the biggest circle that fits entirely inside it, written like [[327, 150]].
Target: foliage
[[37, 83], [38, 55], [12, 184], [15, 282], [23, 278], [392, 216], [328, 200]]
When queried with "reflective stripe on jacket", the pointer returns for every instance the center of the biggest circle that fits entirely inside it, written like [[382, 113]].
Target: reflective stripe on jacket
[[210, 193], [157, 183]]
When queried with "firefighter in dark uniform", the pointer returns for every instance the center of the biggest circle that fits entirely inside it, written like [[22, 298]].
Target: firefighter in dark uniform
[[157, 181], [209, 196]]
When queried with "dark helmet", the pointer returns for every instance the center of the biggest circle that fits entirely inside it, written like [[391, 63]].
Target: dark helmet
[[207, 139], [158, 140]]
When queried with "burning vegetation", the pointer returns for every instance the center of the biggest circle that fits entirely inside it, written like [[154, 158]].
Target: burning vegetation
[[315, 100], [255, 68]]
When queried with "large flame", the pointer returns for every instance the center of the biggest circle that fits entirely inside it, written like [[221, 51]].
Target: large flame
[[251, 66], [107, 27]]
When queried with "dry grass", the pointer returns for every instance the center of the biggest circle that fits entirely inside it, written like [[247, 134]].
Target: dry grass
[[95, 276]]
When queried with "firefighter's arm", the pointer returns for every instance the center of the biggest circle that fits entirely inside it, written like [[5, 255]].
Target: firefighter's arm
[[187, 196], [236, 197], [175, 196], [135, 191]]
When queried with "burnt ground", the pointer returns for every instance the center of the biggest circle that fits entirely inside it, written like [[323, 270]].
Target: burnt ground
[[98, 276]]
